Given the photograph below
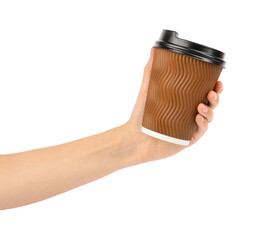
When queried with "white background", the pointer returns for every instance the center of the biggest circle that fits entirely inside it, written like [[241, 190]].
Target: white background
[[70, 69]]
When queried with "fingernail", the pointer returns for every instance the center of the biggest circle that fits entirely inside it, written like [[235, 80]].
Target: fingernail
[[205, 109], [215, 97], [202, 119]]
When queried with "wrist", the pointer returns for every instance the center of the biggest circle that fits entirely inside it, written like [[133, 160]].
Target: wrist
[[127, 146]]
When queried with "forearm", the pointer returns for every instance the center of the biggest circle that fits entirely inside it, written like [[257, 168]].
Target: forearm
[[38, 174]]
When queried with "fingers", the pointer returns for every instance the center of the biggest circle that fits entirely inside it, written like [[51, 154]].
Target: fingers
[[205, 111], [202, 124], [219, 87], [213, 96], [213, 99]]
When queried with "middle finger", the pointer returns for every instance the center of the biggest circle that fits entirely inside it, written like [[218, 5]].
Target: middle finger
[[213, 99]]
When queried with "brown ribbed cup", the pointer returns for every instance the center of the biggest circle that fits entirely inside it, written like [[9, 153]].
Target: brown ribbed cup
[[178, 83]]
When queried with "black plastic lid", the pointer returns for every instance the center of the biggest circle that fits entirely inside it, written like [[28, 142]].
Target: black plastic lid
[[169, 40]]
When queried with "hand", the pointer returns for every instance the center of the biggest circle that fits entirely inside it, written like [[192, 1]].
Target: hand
[[150, 148], [31, 176]]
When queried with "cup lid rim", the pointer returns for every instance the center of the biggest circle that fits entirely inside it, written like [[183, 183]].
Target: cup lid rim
[[169, 40]]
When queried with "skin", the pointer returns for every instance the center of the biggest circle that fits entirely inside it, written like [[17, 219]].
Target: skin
[[35, 175]]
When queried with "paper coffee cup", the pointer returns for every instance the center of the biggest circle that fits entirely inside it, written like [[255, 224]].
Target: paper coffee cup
[[182, 74]]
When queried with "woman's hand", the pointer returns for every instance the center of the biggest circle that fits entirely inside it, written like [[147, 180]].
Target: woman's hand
[[150, 148]]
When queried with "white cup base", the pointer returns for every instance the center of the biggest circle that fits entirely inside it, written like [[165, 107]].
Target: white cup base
[[165, 137]]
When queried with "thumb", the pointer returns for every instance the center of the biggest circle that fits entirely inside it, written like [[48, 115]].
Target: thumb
[[147, 72], [138, 110]]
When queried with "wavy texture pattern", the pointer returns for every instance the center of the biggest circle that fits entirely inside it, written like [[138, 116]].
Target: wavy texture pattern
[[178, 83]]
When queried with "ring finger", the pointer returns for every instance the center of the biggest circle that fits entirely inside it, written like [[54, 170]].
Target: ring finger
[[205, 111]]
